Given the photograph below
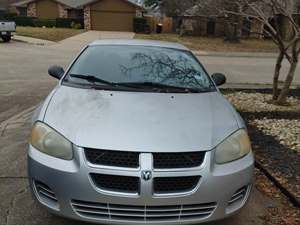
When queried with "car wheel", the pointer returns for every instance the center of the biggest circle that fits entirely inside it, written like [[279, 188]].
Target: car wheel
[[6, 38]]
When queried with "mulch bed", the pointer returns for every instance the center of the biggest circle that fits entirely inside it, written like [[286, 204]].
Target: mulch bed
[[277, 214], [282, 163], [277, 160], [292, 92]]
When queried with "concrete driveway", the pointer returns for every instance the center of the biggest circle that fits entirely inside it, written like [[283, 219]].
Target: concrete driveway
[[23, 84], [81, 40]]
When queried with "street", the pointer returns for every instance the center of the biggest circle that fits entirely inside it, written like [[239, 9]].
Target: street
[[246, 70], [24, 83]]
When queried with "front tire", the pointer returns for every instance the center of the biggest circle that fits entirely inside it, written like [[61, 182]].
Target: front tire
[[6, 38]]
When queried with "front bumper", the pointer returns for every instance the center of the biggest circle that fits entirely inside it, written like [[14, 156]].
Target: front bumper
[[4, 33], [69, 181]]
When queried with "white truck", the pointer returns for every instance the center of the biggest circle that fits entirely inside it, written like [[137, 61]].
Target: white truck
[[7, 28]]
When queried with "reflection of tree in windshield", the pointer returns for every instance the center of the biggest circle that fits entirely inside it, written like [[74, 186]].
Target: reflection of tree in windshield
[[161, 68]]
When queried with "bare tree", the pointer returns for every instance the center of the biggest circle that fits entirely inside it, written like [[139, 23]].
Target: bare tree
[[162, 68], [269, 13]]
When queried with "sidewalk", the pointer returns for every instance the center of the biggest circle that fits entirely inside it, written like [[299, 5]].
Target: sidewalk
[[78, 42]]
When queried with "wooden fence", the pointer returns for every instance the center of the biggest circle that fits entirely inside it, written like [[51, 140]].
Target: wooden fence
[[167, 23]]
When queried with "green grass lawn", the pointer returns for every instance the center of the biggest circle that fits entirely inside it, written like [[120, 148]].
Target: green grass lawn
[[51, 34], [214, 44]]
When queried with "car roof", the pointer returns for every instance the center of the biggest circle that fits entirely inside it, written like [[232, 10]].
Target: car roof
[[138, 42]]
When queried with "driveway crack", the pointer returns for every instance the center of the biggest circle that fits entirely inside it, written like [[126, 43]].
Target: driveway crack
[[13, 202]]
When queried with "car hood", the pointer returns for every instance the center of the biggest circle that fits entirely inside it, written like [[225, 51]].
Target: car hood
[[138, 121]]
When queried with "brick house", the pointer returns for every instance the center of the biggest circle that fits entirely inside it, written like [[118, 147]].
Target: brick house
[[110, 15]]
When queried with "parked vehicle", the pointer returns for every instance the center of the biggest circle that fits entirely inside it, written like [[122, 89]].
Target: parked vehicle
[[137, 132], [6, 30]]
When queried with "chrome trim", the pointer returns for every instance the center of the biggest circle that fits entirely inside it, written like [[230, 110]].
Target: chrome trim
[[142, 214], [113, 193], [184, 169], [96, 166], [179, 194], [140, 163]]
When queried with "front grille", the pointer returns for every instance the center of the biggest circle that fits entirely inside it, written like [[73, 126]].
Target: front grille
[[238, 196], [115, 212], [163, 184], [117, 183], [112, 158], [131, 159], [169, 185], [178, 160]]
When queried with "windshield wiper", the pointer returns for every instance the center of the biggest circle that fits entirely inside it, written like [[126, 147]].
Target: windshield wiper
[[138, 85], [160, 86], [92, 79]]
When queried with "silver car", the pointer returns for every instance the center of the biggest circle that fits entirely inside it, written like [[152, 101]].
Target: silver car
[[136, 132]]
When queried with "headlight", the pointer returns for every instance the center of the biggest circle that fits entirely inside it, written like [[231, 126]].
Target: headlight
[[235, 147], [48, 141]]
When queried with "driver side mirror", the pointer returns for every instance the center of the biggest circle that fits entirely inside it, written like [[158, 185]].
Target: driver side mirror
[[56, 71], [219, 78]]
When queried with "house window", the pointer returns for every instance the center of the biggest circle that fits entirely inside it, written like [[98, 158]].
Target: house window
[[75, 13], [22, 11], [211, 27]]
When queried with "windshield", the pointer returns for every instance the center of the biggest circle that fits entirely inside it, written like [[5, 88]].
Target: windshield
[[139, 65]]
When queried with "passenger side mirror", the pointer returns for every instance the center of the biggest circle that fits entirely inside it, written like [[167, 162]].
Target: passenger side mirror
[[219, 78], [56, 71]]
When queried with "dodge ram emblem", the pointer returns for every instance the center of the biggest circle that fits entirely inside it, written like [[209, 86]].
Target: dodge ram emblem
[[146, 175]]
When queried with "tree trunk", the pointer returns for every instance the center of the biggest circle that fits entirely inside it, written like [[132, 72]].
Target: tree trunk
[[289, 79], [276, 75]]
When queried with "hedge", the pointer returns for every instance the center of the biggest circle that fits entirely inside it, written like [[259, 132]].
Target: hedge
[[140, 25], [24, 21], [44, 22], [37, 22], [68, 22]]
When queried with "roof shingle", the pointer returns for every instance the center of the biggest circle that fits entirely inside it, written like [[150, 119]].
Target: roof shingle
[[70, 3]]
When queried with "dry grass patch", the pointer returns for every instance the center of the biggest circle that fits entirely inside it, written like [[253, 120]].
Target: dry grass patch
[[50, 34], [214, 44]]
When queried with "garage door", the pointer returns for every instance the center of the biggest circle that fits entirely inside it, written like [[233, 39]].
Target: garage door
[[112, 21]]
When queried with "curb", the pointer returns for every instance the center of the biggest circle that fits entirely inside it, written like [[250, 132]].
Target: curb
[[237, 55], [241, 87], [293, 199], [33, 41]]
